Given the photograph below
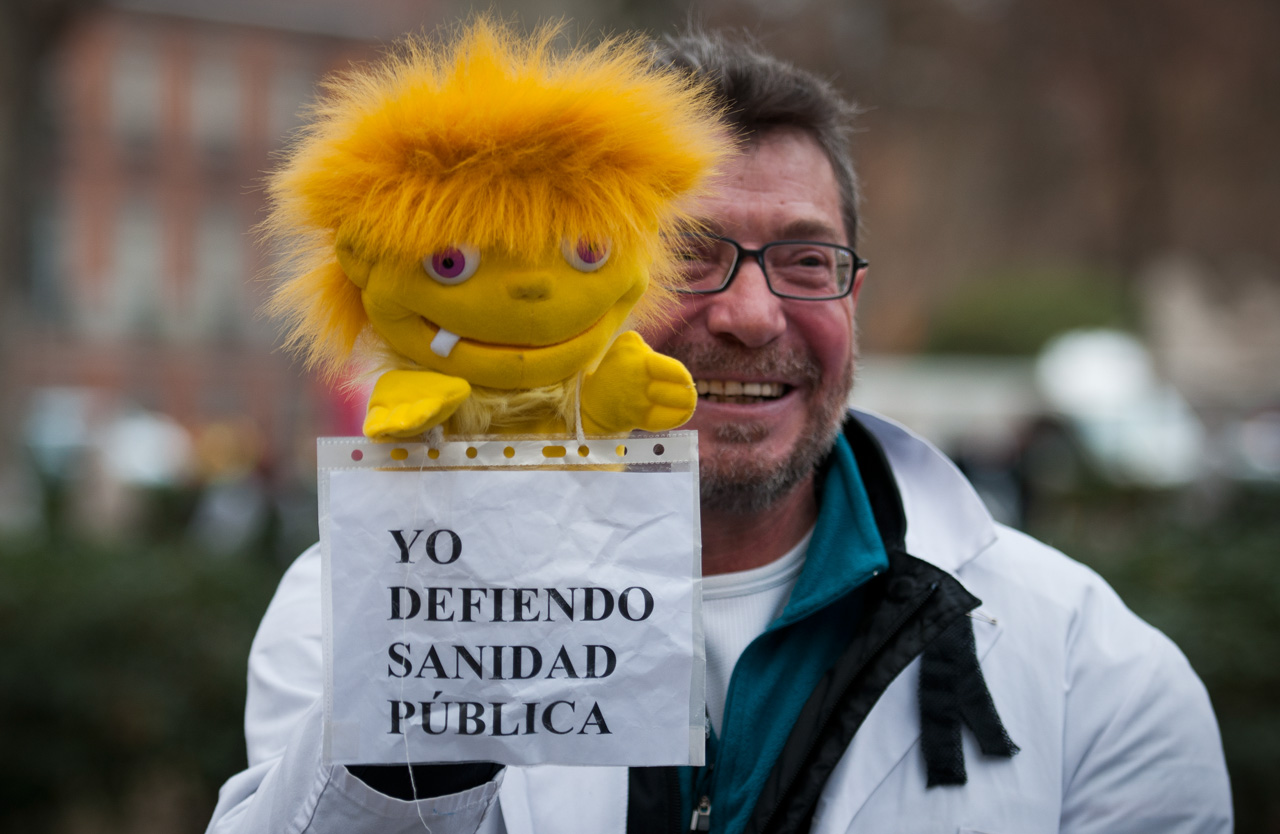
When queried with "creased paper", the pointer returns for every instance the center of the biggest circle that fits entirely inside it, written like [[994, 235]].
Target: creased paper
[[509, 612]]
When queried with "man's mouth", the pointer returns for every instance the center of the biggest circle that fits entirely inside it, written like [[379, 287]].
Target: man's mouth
[[739, 393]]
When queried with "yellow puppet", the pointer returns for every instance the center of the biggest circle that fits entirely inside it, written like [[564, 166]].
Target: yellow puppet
[[482, 220]]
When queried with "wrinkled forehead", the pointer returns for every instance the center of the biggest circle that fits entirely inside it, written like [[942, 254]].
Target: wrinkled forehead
[[779, 187]]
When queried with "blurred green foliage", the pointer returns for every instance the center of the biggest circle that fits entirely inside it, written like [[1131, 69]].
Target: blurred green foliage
[[1015, 312], [1204, 568], [121, 662]]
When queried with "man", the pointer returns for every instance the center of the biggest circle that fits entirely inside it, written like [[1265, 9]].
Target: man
[[881, 655]]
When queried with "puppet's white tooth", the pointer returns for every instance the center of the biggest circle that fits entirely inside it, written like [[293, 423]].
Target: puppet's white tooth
[[442, 344]]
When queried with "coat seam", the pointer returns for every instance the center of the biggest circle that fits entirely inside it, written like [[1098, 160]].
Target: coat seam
[[314, 801]]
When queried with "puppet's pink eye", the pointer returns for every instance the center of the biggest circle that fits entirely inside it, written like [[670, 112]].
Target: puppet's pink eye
[[590, 253], [584, 254], [452, 265]]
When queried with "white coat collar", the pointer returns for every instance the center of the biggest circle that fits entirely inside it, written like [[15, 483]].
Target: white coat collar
[[947, 523]]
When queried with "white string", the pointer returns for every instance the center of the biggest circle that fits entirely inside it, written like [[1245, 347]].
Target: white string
[[577, 411], [435, 438]]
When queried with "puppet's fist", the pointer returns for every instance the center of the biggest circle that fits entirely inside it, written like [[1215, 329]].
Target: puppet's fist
[[407, 403], [635, 387]]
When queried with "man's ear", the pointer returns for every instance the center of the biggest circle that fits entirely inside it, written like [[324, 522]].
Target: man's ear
[[352, 263], [858, 278]]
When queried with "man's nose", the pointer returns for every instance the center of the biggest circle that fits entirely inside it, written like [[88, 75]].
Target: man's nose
[[748, 310]]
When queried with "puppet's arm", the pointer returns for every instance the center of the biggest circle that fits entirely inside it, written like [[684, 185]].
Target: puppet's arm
[[405, 404], [635, 387]]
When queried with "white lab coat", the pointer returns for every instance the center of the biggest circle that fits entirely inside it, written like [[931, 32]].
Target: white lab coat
[[1115, 730]]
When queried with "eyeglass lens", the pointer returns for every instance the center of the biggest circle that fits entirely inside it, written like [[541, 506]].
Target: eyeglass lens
[[801, 269]]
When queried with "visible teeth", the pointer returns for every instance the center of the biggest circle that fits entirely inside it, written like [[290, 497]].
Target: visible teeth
[[733, 388], [442, 344]]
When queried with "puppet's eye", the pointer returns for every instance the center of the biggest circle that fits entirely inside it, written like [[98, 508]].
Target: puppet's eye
[[452, 265], [584, 254]]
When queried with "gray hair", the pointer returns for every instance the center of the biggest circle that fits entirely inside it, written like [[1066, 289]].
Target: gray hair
[[762, 93]]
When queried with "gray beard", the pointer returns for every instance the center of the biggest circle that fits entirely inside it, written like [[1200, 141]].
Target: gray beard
[[737, 482]]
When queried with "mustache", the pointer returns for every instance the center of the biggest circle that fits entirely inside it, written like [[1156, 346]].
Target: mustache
[[710, 360]]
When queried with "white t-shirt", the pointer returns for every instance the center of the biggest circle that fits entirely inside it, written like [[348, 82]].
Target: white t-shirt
[[736, 609]]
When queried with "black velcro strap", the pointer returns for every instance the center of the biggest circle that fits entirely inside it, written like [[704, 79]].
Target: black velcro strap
[[952, 691]]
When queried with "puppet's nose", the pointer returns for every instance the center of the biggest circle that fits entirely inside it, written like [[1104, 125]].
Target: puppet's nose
[[530, 289]]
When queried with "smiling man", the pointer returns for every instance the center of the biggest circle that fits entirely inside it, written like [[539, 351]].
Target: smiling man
[[773, 373], [882, 656]]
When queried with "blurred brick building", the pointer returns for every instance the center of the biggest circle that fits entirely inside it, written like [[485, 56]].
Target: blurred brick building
[[1010, 141], [147, 282]]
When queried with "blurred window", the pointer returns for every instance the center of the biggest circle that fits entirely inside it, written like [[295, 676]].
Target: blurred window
[[220, 273], [49, 247], [136, 93], [135, 301], [215, 103], [292, 87]]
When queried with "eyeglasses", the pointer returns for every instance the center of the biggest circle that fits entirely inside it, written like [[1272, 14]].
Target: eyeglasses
[[802, 269]]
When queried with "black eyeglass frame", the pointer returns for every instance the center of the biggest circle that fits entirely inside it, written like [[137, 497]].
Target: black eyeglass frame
[[741, 251]]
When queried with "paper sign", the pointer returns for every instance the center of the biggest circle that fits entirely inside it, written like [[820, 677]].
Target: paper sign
[[486, 602]]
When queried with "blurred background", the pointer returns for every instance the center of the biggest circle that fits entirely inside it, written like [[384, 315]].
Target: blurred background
[[1071, 211]]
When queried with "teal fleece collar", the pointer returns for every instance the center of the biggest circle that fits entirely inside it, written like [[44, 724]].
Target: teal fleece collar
[[779, 669]]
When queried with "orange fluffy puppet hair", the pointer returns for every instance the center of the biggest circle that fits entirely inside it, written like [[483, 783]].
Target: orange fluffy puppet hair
[[490, 138]]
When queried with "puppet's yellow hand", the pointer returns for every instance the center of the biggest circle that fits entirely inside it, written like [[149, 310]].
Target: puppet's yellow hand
[[636, 388], [407, 403]]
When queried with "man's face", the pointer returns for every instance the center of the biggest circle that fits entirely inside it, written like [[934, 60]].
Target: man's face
[[759, 444]]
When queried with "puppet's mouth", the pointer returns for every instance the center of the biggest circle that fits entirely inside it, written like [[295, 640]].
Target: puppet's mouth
[[444, 342], [739, 393]]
